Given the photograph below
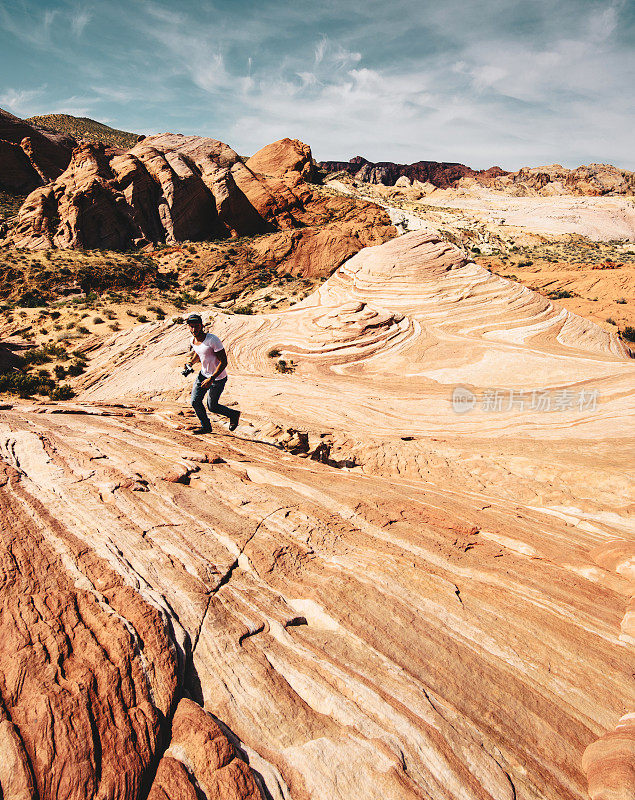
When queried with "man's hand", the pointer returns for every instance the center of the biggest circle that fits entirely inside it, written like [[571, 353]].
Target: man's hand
[[207, 383]]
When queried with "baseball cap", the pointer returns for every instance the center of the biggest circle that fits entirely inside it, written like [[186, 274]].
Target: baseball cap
[[193, 318]]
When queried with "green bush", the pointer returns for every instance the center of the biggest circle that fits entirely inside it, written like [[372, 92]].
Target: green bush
[[44, 354], [63, 392], [76, 368], [25, 384]]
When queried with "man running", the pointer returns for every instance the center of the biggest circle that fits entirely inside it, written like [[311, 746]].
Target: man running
[[209, 351]]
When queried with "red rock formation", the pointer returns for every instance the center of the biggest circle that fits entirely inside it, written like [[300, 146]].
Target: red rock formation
[[589, 180], [283, 157], [30, 157], [443, 619], [439, 173], [89, 674], [610, 763], [201, 757], [173, 187]]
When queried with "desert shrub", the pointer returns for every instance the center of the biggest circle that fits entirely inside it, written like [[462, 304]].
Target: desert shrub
[[621, 301], [243, 310], [628, 333], [285, 367], [559, 294], [142, 318], [59, 371], [611, 321], [63, 392], [44, 354], [76, 367], [25, 384], [98, 320], [274, 353], [82, 329]]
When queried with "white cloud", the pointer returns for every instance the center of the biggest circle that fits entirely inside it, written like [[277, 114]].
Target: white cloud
[[320, 49], [21, 102], [505, 81], [80, 17]]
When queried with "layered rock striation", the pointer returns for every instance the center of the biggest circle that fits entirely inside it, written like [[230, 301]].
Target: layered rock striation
[[449, 618]]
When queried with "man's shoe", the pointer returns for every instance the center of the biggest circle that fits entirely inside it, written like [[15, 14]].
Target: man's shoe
[[233, 424], [201, 430]]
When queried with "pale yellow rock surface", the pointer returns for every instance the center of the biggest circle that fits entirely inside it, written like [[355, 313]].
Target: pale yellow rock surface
[[449, 618]]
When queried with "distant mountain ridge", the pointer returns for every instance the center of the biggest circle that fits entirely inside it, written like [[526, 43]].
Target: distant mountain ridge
[[554, 179], [85, 128], [440, 173]]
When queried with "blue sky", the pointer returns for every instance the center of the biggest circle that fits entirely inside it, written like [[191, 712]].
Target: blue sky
[[484, 82]]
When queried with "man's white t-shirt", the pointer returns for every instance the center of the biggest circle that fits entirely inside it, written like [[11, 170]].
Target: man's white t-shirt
[[206, 351]]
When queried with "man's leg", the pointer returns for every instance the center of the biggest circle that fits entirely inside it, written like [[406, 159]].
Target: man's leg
[[198, 393], [212, 403]]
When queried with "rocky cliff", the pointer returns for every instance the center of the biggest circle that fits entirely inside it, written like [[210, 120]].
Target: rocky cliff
[[589, 180], [170, 188], [438, 173], [29, 156], [367, 591]]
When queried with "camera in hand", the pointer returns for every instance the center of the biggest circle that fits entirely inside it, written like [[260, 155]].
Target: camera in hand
[[187, 370]]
